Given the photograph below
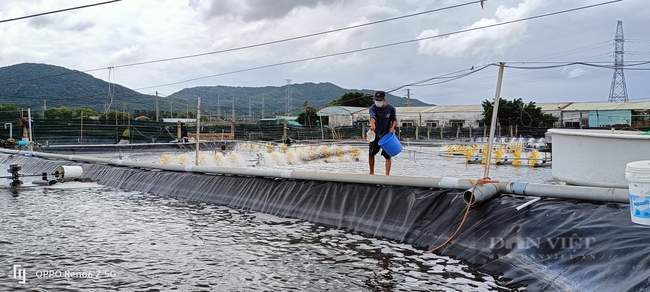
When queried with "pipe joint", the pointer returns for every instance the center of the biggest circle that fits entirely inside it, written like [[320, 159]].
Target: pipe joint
[[481, 193]]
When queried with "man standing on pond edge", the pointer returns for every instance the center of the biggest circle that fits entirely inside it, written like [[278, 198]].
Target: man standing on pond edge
[[382, 121]]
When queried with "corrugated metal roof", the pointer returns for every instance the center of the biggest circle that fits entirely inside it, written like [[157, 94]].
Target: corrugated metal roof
[[552, 106], [457, 108], [339, 110], [546, 107], [361, 111], [413, 109], [587, 106]]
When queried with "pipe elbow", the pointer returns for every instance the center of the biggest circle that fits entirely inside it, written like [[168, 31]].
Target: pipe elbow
[[481, 193]]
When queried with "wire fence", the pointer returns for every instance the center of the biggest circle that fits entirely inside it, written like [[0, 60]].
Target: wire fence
[[76, 131]]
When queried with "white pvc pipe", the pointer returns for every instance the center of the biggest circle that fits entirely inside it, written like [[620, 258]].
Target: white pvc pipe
[[524, 205], [69, 172], [482, 193], [568, 192], [11, 129], [517, 188]]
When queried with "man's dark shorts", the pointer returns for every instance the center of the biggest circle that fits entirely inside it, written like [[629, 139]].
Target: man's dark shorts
[[374, 148]]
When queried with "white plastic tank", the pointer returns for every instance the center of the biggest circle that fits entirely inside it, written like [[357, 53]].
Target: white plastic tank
[[638, 175], [66, 172]]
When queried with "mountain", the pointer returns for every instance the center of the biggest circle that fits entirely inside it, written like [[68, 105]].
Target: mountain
[[28, 85], [273, 100]]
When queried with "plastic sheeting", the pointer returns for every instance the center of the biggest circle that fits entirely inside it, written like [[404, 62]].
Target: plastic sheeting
[[554, 245]]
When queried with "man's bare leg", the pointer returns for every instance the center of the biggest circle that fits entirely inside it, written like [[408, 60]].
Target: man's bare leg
[[371, 163], [388, 165]]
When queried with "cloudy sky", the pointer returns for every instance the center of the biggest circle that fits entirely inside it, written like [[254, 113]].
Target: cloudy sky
[[370, 55]]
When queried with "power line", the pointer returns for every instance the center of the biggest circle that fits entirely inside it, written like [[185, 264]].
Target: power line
[[301, 37], [251, 46], [448, 77], [386, 45], [628, 66], [345, 52], [441, 77], [452, 78], [530, 42], [57, 11]]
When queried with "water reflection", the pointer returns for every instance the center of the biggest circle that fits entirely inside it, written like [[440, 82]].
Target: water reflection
[[131, 241]]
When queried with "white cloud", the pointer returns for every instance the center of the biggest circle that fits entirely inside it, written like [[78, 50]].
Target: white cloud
[[255, 10], [576, 72], [493, 40], [129, 54]]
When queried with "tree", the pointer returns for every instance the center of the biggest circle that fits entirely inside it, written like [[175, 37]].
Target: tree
[[61, 113], [517, 113], [309, 117], [353, 99], [9, 112], [86, 112], [120, 115]]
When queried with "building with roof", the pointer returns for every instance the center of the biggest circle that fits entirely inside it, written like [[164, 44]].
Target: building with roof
[[176, 120], [605, 114], [339, 116], [432, 116], [569, 114]]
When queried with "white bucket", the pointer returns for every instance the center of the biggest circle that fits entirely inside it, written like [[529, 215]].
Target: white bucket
[[65, 172], [637, 174]]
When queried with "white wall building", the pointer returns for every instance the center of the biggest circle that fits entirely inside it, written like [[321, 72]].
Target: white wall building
[[432, 116], [569, 114], [176, 120], [340, 116]]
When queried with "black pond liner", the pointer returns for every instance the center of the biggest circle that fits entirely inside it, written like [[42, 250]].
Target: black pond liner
[[553, 245]]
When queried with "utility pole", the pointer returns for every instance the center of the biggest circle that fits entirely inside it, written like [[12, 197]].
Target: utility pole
[[233, 108], [198, 129], [618, 91], [81, 129], [232, 121], [495, 112], [44, 108], [157, 106], [218, 107], [263, 98], [250, 110], [117, 139], [288, 101], [408, 97]]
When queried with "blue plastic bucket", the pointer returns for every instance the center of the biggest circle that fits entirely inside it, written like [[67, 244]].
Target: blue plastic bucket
[[390, 144]]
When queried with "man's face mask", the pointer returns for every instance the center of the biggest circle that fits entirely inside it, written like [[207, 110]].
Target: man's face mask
[[379, 103]]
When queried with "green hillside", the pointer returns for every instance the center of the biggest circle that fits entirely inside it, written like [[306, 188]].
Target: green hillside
[[28, 85], [272, 99]]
